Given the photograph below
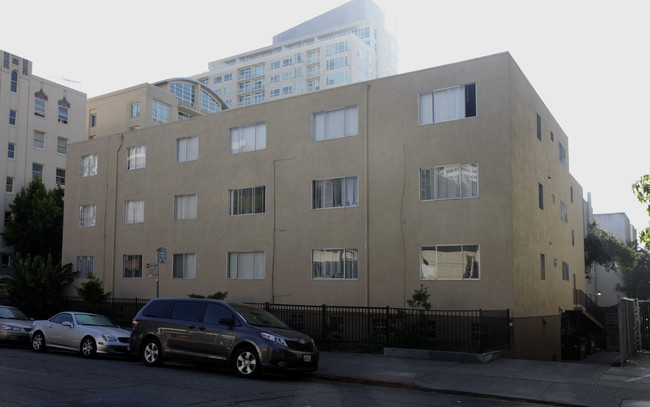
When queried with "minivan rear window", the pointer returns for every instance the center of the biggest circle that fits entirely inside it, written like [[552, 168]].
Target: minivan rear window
[[157, 309]]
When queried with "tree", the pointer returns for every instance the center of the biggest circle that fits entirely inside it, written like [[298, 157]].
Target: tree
[[636, 279], [602, 247], [92, 292], [642, 190], [420, 298], [36, 223], [37, 284]]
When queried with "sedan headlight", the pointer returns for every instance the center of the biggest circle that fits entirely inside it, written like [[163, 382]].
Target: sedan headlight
[[274, 338], [7, 327], [109, 338]]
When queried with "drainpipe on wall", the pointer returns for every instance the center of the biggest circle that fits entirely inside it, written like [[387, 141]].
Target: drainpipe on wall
[[117, 159], [367, 220]]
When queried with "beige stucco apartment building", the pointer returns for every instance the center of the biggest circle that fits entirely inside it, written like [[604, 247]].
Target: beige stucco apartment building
[[38, 120], [455, 178]]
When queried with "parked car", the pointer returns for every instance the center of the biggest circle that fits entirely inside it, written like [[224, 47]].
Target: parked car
[[248, 339], [14, 325], [81, 332]]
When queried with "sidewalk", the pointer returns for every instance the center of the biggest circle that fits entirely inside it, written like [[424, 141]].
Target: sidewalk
[[592, 382]]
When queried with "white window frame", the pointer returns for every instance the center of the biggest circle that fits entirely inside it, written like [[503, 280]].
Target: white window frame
[[85, 266], [39, 139], [136, 157], [60, 176], [256, 197], [184, 266], [87, 215], [185, 206], [40, 107], [88, 166], [241, 262], [61, 145], [160, 112], [324, 193], [251, 137], [135, 109], [464, 179], [345, 264], [134, 211], [187, 149], [326, 125], [135, 271], [442, 105], [37, 170], [431, 272], [64, 114], [10, 185]]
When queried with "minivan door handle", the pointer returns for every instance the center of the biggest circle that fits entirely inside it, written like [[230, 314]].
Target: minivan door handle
[[202, 328], [191, 326]]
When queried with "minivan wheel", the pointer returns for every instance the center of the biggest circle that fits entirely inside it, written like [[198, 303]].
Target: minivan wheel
[[88, 347], [246, 362], [152, 353], [38, 342]]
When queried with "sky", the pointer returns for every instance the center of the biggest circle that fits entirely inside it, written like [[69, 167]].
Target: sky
[[587, 60]]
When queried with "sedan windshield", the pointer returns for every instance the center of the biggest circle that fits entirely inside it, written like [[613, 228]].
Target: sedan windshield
[[258, 317], [12, 313], [93, 320]]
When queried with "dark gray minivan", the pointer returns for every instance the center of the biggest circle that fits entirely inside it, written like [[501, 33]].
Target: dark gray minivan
[[247, 338]]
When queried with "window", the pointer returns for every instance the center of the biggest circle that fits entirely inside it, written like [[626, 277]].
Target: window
[[564, 212], [338, 77], [134, 211], [336, 123], [227, 77], [275, 92], [39, 139], [457, 102], [248, 138], [10, 184], [246, 201], [217, 79], [12, 117], [87, 215], [39, 107], [275, 65], [259, 97], [542, 265], [11, 151], [187, 149], [136, 157], [571, 193], [449, 262], [539, 127], [449, 181], [184, 265], [336, 63], [14, 81], [160, 112], [562, 154], [573, 237], [185, 207], [335, 193], [330, 264], [275, 78], [132, 266], [246, 265], [85, 266], [540, 193], [93, 120], [286, 90], [63, 114], [287, 62], [565, 271], [552, 137], [183, 116], [135, 110], [61, 145], [184, 92], [60, 177], [336, 48], [208, 103], [89, 165], [227, 90], [37, 171]]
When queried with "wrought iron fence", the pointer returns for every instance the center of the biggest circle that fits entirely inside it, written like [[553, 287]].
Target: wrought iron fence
[[467, 331]]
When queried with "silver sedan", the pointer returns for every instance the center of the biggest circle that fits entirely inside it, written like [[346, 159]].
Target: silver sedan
[[14, 325], [81, 332]]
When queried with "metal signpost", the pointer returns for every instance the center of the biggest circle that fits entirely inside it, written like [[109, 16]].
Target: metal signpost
[[161, 258]]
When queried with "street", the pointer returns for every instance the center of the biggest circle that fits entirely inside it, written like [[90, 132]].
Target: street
[[65, 379]]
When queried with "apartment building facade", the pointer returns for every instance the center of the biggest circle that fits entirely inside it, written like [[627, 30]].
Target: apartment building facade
[[348, 44], [455, 178], [147, 105], [38, 120]]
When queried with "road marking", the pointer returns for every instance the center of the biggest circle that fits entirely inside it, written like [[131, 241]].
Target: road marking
[[23, 371]]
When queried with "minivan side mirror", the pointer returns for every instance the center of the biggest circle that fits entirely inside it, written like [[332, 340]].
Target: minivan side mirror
[[227, 321]]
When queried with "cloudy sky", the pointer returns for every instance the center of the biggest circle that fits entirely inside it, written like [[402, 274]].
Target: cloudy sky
[[588, 60]]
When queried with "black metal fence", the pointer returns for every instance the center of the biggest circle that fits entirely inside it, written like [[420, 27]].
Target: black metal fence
[[466, 331]]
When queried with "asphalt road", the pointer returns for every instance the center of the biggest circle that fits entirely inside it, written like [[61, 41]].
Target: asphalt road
[[58, 379]]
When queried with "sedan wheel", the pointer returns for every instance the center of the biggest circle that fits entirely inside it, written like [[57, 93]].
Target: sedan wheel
[[152, 352], [88, 347], [38, 342], [246, 363]]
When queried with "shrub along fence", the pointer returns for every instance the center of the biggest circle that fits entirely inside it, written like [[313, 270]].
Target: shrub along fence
[[463, 331]]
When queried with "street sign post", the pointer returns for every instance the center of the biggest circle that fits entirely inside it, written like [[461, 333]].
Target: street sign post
[[161, 258]]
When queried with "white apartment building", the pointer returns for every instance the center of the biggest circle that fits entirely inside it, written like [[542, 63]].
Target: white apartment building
[[345, 45], [38, 119]]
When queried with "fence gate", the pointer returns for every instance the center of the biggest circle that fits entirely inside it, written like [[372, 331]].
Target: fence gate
[[644, 325]]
